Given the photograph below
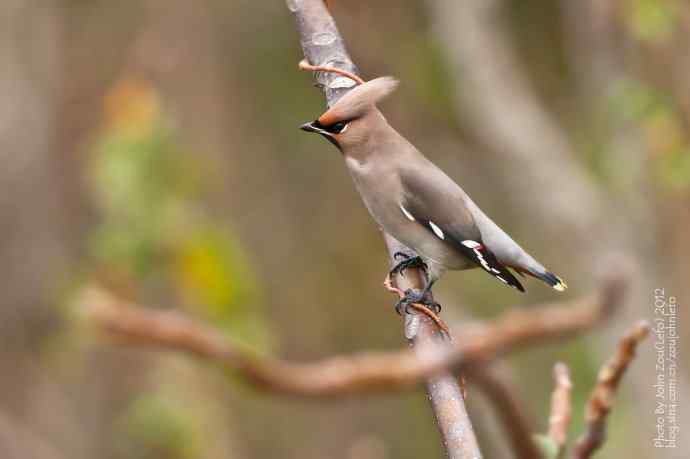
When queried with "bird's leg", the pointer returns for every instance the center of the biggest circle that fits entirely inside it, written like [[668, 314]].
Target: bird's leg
[[406, 263], [410, 296], [427, 296]]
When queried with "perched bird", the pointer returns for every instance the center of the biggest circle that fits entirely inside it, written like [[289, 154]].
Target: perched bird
[[415, 201]]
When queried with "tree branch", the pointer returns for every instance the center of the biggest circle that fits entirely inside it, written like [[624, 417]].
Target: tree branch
[[323, 46], [359, 373], [561, 406], [601, 400], [445, 394]]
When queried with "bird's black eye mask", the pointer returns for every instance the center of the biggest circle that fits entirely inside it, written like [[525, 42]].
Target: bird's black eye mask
[[335, 128], [327, 131]]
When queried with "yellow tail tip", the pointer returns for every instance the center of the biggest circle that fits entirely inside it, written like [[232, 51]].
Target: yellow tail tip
[[561, 285]]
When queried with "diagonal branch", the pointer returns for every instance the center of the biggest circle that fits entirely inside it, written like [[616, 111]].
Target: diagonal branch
[[323, 46]]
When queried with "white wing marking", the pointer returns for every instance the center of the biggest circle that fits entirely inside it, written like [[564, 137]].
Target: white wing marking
[[437, 231], [407, 214]]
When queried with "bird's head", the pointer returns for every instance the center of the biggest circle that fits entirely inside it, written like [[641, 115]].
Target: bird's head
[[350, 120]]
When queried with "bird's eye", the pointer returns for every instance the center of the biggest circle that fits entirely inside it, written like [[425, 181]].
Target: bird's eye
[[339, 127]]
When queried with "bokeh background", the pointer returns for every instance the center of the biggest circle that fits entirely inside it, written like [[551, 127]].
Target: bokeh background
[[151, 147]]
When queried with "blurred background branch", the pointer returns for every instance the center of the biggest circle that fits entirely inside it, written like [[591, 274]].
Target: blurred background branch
[[357, 373], [600, 402], [561, 407], [509, 411]]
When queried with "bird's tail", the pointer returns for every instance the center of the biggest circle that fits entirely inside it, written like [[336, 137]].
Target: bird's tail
[[550, 278]]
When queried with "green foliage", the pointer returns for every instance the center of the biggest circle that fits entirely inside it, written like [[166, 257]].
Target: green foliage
[[663, 132], [139, 196], [141, 179], [152, 233], [423, 62], [635, 101], [674, 169], [153, 428], [211, 274], [653, 20]]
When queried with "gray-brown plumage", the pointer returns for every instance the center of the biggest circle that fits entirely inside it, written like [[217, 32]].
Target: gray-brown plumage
[[413, 200]]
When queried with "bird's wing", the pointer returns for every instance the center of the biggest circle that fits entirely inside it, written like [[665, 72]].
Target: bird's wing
[[436, 202]]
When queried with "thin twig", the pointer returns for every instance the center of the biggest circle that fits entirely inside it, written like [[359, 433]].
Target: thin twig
[[364, 372], [433, 316], [561, 406], [601, 400], [306, 66]]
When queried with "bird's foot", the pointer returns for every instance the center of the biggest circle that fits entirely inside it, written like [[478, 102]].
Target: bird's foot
[[418, 300], [416, 297], [407, 263]]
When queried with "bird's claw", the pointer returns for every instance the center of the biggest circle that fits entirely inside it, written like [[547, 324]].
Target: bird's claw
[[406, 263], [416, 297]]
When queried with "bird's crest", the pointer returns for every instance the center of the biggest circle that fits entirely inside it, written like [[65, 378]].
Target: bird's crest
[[359, 101]]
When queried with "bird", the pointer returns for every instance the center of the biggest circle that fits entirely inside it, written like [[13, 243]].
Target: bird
[[414, 201]]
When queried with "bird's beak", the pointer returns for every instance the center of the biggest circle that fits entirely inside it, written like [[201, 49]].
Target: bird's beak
[[314, 126], [309, 127]]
